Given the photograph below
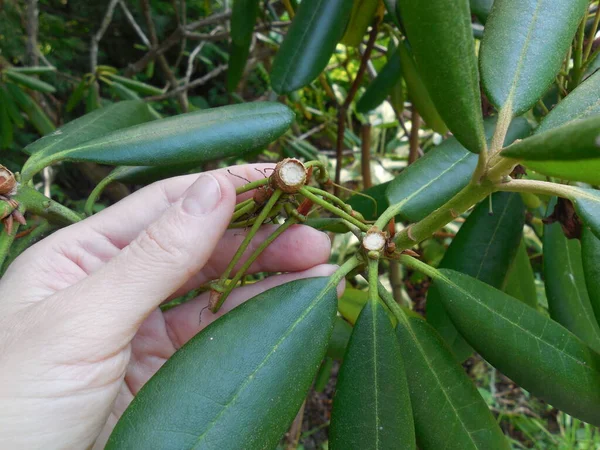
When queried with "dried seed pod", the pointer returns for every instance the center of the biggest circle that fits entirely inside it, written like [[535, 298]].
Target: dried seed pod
[[289, 175], [374, 240], [8, 183]]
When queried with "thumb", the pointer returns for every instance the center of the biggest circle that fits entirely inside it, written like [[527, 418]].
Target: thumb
[[161, 259]]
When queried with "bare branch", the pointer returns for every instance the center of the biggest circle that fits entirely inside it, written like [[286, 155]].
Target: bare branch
[[32, 32], [198, 82], [134, 24], [96, 38]]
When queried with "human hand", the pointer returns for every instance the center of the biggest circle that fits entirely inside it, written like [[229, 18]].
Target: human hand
[[80, 326]]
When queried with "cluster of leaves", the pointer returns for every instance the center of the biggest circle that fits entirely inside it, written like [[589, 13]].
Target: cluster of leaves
[[401, 380]]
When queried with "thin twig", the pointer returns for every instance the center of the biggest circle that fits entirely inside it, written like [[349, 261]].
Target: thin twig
[[198, 82], [96, 38], [342, 110], [173, 39], [32, 32], [134, 24], [162, 61]]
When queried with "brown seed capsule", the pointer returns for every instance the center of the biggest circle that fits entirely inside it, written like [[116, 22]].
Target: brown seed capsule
[[8, 183], [289, 175]]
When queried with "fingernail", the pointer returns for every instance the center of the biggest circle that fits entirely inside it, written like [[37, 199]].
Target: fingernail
[[203, 196]]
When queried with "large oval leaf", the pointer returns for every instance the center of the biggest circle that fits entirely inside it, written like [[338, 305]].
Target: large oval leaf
[[579, 104], [523, 48], [371, 407], [240, 382], [418, 92], [382, 85], [311, 39], [520, 281], [434, 179], [570, 151], [243, 18], [590, 255], [567, 295], [448, 411], [441, 38], [194, 137], [537, 353], [484, 247], [361, 17], [37, 116]]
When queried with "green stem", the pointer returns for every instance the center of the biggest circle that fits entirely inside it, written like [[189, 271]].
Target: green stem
[[261, 248], [504, 119], [244, 245], [6, 241], [323, 174], [25, 242], [240, 205], [373, 275], [592, 35], [329, 196], [481, 168], [333, 209], [37, 203], [415, 264], [391, 303], [578, 56], [251, 186], [88, 209], [246, 209], [462, 201], [538, 187], [252, 220], [344, 270]]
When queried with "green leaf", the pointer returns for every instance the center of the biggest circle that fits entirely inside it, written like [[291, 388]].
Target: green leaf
[[482, 9], [29, 82], [137, 86], [382, 85], [125, 93], [371, 407], [440, 34], [351, 303], [448, 411], [149, 174], [534, 351], [240, 382], [34, 70], [76, 96], [340, 336], [243, 18], [11, 108], [361, 17], [434, 179], [6, 127], [520, 281], [37, 116], [590, 256], [309, 43], [523, 48], [391, 7], [417, 92], [568, 300], [571, 151], [484, 247], [188, 138], [92, 99], [373, 205], [89, 127], [579, 104]]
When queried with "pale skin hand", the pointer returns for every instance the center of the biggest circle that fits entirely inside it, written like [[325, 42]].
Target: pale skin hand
[[80, 327]]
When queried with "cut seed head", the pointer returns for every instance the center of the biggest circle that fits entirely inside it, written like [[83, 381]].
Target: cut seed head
[[8, 183], [374, 240], [289, 175]]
